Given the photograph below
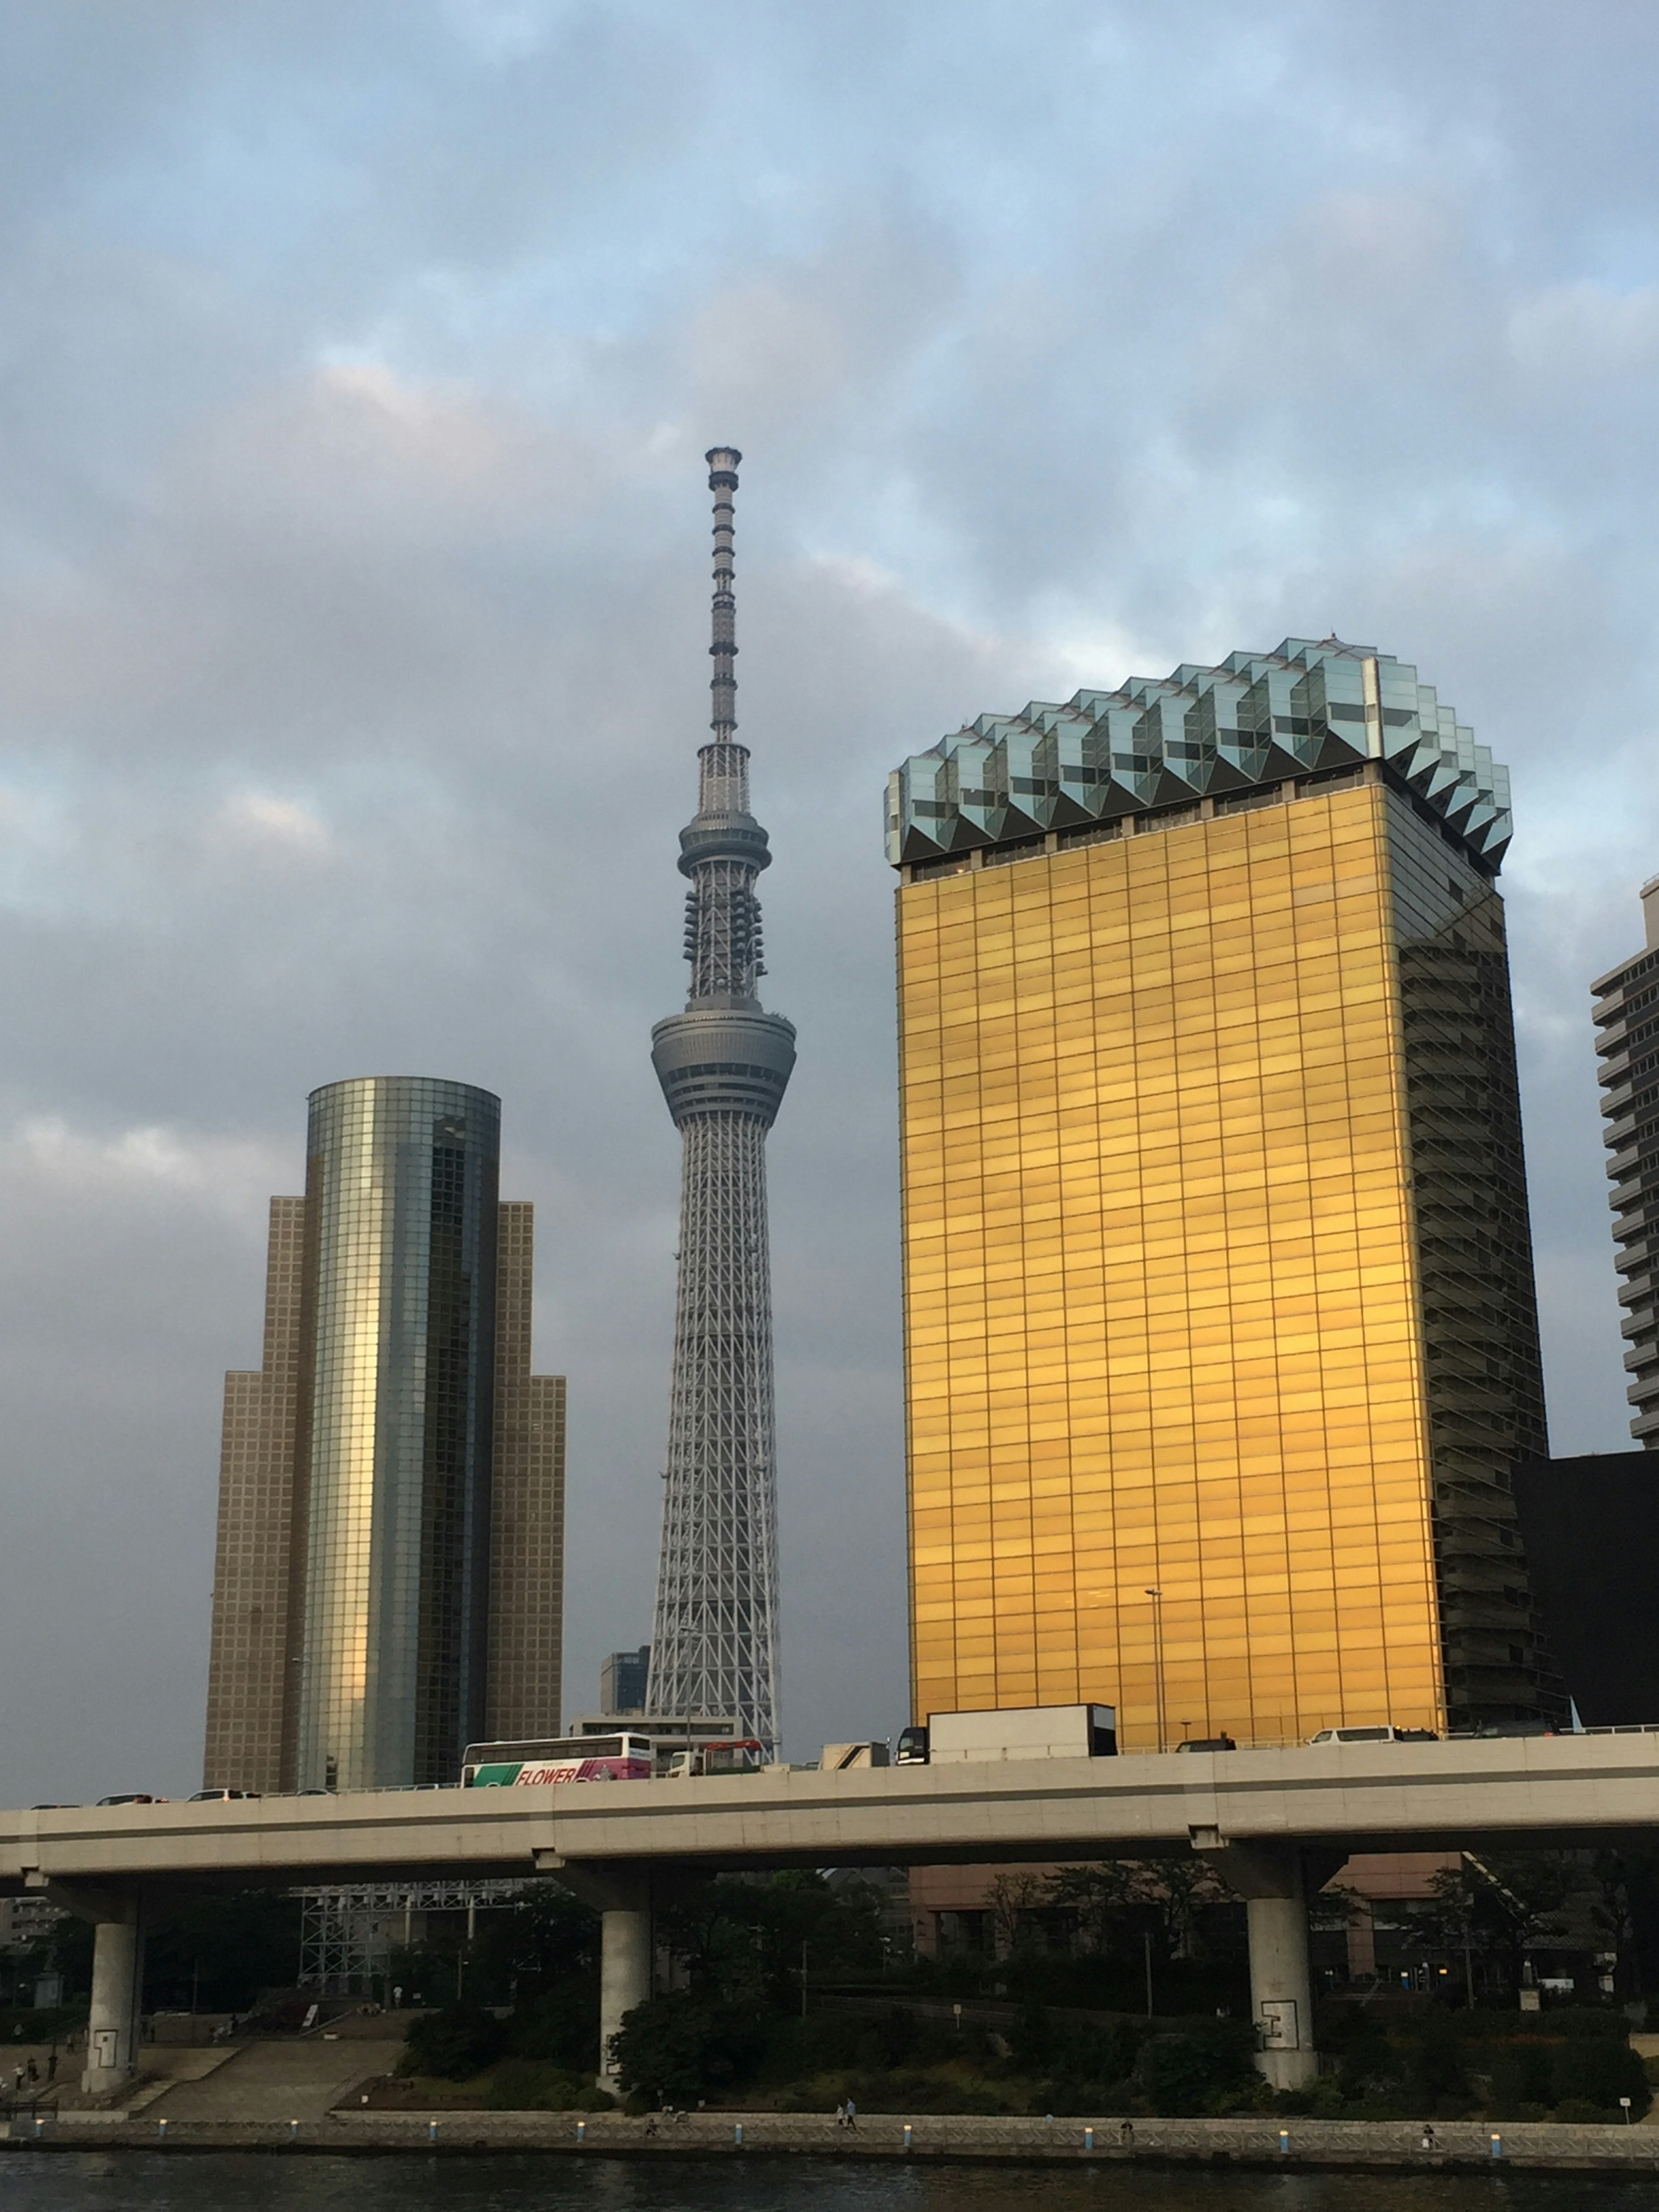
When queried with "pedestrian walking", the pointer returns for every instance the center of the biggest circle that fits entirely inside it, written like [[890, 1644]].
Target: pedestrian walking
[[35, 2071], [51, 2066], [852, 2116], [840, 2114], [1126, 2133]]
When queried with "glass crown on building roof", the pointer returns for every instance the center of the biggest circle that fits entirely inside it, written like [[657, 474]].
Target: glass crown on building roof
[[1199, 733]]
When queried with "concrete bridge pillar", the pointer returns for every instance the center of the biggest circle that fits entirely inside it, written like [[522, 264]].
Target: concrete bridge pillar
[[625, 1975], [622, 1895], [1272, 1880], [118, 1974]]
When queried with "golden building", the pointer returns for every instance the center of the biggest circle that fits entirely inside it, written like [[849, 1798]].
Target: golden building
[[1221, 1326], [389, 1572]]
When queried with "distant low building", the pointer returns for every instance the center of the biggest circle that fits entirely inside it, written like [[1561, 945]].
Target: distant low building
[[622, 1679]]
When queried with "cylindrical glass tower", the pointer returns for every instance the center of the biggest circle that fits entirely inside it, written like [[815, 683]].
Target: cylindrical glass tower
[[392, 1526]]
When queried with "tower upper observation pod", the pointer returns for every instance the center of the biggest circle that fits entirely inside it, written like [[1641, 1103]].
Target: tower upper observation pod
[[723, 1064]]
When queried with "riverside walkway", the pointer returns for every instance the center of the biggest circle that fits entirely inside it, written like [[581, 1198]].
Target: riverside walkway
[[1459, 2145]]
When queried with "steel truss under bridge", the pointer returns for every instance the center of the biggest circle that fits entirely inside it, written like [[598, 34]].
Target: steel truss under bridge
[[345, 1941]]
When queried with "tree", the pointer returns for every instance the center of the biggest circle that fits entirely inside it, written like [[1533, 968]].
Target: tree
[[1118, 1902], [1013, 1898], [1626, 1909], [453, 2044], [547, 1940], [742, 1937], [1196, 2070], [1496, 1906], [677, 2048]]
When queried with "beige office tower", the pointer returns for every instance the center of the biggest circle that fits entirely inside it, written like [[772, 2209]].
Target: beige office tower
[[1221, 1332], [390, 1562], [248, 1669], [527, 1536]]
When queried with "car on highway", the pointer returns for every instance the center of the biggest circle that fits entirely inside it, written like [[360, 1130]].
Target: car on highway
[[1381, 1734]]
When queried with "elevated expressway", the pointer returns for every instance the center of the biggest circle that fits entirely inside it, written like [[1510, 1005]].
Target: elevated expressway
[[1271, 1822]]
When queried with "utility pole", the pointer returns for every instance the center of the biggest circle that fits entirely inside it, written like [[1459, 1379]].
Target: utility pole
[[1157, 1596]]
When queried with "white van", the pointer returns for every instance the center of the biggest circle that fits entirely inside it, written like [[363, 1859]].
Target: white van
[[1382, 1735]]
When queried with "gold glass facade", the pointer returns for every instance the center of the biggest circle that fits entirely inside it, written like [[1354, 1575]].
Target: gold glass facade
[[1173, 1108]]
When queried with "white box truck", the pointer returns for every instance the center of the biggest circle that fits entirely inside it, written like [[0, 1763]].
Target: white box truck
[[1012, 1732]]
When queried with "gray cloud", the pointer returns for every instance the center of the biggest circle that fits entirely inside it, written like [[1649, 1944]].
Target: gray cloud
[[357, 372]]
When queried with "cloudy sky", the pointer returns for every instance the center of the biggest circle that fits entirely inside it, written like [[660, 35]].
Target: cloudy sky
[[355, 368]]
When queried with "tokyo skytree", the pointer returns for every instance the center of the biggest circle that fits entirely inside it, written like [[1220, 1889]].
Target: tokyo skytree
[[723, 1064]]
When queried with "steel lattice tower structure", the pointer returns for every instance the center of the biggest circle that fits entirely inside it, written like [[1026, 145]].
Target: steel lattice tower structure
[[723, 1064]]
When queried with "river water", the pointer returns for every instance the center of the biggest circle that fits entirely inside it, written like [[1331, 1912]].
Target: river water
[[94, 2181]]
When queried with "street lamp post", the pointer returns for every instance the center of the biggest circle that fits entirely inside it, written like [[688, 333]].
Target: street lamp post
[[1157, 1596]]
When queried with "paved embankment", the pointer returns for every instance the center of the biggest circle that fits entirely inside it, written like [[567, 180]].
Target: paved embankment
[[276, 2081], [1460, 2144]]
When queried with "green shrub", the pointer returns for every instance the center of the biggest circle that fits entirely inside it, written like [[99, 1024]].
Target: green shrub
[[561, 2026], [1186, 2073], [1521, 2077], [526, 2084], [1595, 2071], [1091, 2064], [1369, 2064], [1578, 2110], [1594, 2020], [1436, 2085], [890, 2039], [908, 2090], [677, 2048], [453, 2044]]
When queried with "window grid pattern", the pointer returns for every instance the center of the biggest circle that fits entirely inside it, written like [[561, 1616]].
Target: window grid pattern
[[1627, 1009], [247, 1666], [1163, 1320], [526, 1536], [1483, 1365]]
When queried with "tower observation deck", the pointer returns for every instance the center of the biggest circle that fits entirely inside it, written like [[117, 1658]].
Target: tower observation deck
[[723, 1064]]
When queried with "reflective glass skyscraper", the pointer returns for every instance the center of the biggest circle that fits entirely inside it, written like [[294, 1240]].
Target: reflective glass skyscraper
[[394, 1444], [723, 1064], [1221, 1337], [389, 1576]]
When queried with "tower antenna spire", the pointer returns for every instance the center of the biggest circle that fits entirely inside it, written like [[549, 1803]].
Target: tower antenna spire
[[723, 465]]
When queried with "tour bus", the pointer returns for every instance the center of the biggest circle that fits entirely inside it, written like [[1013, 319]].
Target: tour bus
[[623, 1757]]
